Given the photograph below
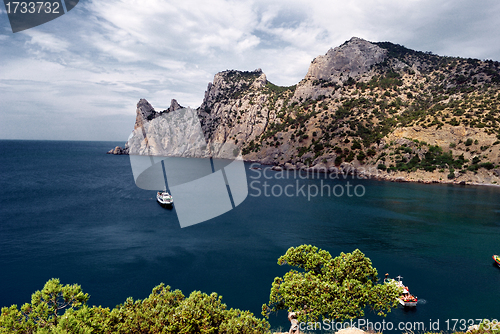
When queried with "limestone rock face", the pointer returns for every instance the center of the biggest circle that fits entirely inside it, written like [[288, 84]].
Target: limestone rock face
[[362, 108], [173, 133], [260, 82], [350, 60], [234, 107]]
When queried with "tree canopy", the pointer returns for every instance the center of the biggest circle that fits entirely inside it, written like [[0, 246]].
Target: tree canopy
[[164, 311], [337, 288]]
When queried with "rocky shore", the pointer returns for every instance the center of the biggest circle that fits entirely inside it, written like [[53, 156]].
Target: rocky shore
[[118, 151], [346, 170]]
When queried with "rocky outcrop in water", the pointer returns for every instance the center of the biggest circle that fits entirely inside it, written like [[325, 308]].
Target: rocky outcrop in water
[[118, 151]]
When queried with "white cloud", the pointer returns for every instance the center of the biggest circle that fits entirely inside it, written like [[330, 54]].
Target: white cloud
[[189, 25], [103, 56], [47, 42]]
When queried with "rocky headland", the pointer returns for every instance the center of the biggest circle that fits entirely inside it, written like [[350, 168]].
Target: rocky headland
[[378, 110]]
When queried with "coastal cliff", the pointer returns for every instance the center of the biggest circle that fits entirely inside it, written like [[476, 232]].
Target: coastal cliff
[[376, 109]]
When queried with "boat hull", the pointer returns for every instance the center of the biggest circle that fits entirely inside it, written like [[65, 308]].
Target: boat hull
[[407, 304], [166, 205]]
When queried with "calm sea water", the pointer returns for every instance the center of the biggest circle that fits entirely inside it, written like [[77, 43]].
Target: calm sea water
[[70, 211]]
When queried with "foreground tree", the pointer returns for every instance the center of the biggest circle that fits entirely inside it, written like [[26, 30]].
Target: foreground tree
[[44, 311], [164, 311], [330, 288]]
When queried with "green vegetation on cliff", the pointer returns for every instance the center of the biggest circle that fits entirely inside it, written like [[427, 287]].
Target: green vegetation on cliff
[[445, 100]]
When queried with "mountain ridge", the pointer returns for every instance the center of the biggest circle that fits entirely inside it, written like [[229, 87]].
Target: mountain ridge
[[378, 109]]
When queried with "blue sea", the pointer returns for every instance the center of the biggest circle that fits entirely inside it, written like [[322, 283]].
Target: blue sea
[[72, 212]]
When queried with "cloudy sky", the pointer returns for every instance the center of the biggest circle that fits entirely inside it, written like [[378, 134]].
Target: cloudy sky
[[80, 76]]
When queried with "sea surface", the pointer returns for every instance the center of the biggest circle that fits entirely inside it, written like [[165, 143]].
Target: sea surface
[[69, 211]]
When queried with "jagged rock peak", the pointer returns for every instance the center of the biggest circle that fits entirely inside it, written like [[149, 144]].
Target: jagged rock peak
[[351, 59], [144, 108], [145, 112], [174, 105]]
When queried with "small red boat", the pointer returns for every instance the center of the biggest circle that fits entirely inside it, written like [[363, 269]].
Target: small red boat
[[406, 299]]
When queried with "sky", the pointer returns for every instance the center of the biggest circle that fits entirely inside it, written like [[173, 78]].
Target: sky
[[80, 76]]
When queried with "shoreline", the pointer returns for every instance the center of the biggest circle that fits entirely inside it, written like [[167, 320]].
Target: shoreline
[[366, 172], [372, 173]]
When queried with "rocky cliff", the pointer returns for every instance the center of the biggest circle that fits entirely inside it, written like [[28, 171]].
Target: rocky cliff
[[149, 120], [377, 108]]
